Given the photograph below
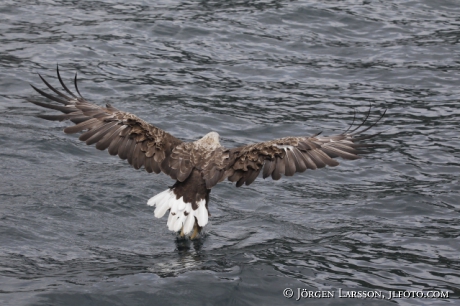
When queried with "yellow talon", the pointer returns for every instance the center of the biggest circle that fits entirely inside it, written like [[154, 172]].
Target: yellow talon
[[196, 230]]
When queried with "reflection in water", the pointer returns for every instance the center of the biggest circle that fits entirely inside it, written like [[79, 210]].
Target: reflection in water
[[189, 257]]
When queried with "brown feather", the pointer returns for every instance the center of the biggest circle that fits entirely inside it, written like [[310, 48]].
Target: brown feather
[[81, 126], [299, 161], [174, 163], [55, 90], [308, 161], [240, 182], [60, 117], [138, 156], [104, 116], [289, 162], [151, 165], [98, 136], [64, 109], [155, 166], [326, 159], [279, 169], [185, 165], [173, 173], [182, 176], [251, 176], [130, 146], [226, 174], [333, 150], [125, 147], [104, 143], [51, 97], [185, 170], [269, 166], [164, 164], [306, 145], [126, 131], [237, 175], [62, 83], [140, 159], [110, 108], [214, 176], [351, 147], [101, 126], [148, 164], [115, 145], [150, 151], [95, 112], [160, 156], [79, 119], [316, 159]]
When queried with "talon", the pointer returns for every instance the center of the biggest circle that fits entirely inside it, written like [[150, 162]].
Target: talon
[[196, 230]]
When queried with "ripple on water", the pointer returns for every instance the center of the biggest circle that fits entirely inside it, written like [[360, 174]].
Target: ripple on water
[[74, 225]]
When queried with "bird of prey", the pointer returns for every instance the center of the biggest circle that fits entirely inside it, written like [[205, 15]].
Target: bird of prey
[[195, 166]]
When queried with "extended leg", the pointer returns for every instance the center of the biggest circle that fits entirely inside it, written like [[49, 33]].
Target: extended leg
[[196, 231]]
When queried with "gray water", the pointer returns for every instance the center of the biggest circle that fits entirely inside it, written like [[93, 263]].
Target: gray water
[[74, 225]]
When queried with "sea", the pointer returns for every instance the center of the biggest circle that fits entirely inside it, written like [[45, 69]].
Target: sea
[[381, 230]]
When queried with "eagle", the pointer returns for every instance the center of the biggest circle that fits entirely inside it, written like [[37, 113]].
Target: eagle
[[195, 166]]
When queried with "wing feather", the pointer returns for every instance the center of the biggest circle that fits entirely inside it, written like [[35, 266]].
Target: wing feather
[[286, 156], [127, 149], [64, 109], [269, 166], [105, 142], [88, 124], [96, 134], [299, 161], [122, 133], [289, 162], [316, 158], [240, 182], [148, 164], [309, 162], [279, 169], [251, 176], [138, 156], [184, 170], [115, 145]]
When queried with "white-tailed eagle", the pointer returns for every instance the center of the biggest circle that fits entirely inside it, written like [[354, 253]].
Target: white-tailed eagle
[[195, 166]]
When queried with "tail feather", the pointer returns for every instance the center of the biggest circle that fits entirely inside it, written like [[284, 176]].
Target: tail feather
[[201, 213], [188, 225], [161, 201], [181, 214]]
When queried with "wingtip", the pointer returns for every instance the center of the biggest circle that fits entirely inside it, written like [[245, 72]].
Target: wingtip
[[76, 86], [41, 77], [63, 85], [35, 88]]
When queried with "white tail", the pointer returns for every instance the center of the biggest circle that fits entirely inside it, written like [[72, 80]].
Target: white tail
[[181, 214]]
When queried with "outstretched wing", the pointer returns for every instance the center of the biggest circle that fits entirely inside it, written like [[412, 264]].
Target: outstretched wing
[[286, 156], [122, 133]]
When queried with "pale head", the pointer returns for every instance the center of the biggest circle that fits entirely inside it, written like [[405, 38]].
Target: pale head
[[210, 140]]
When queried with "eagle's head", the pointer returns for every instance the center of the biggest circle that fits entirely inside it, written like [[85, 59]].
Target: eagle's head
[[210, 140]]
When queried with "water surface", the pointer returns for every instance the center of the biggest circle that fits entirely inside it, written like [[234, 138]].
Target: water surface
[[75, 229]]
